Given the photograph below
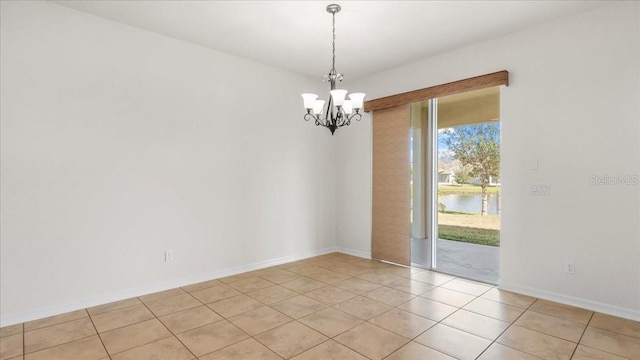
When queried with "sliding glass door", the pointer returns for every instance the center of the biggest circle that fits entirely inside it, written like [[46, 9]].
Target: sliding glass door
[[423, 146], [455, 168]]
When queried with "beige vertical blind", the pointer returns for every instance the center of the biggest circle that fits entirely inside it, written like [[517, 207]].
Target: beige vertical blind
[[391, 195]]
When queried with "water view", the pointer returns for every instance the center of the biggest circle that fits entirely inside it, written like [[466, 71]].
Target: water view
[[470, 203]]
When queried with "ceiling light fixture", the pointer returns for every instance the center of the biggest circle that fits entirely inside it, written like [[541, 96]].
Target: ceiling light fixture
[[338, 112]]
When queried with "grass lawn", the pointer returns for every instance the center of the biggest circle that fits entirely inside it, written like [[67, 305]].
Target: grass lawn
[[491, 222], [470, 235], [471, 228], [465, 189]]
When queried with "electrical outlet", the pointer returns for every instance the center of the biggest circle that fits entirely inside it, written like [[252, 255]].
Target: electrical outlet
[[168, 255], [570, 268]]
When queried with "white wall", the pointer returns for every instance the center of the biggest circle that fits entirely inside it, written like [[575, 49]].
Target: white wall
[[573, 105], [118, 143], [354, 186]]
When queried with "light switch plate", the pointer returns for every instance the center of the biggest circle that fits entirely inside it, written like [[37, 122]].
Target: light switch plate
[[540, 189]]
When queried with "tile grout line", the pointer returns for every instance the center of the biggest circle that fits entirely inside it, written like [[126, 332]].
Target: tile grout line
[[543, 333], [129, 324], [582, 335], [264, 305], [165, 326], [444, 318], [329, 306], [24, 345], [53, 346], [97, 333], [585, 330], [397, 307], [506, 329], [265, 345], [458, 308], [137, 322], [176, 335], [56, 324], [558, 317]]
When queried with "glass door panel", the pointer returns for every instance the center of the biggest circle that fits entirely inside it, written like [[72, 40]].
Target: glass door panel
[[455, 212]]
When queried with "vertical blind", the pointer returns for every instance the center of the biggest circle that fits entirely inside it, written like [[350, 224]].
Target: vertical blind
[[391, 201]]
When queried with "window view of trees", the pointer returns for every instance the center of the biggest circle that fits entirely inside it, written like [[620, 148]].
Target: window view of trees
[[468, 183], [477, 148]]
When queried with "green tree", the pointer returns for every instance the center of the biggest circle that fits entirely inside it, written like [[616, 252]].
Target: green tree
[[463, 175], [478, 148]]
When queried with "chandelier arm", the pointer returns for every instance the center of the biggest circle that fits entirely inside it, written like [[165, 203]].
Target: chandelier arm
[[316, 118], [346, 119], [357, 117], [308, 116]]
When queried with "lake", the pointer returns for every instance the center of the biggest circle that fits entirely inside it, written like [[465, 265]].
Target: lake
[[471, 203]]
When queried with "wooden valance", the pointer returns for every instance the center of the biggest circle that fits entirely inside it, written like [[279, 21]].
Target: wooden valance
[[455, 87]]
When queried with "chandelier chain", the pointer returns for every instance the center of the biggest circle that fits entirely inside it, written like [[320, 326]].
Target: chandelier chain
[[333, 66]]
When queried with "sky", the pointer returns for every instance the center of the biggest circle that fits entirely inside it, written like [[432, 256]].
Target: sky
[[443, 151]]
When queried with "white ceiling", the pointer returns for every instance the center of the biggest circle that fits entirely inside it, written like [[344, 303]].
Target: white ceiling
[[372, 36]]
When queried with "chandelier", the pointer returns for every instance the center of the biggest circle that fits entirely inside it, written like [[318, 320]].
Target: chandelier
[[338, 111]]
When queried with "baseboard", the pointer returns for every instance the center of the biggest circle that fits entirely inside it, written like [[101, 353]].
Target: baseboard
[[608, 309], [40, 313], [358, 253]]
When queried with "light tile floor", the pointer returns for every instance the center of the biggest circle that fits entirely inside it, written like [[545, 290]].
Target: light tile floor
[[333, 306]]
